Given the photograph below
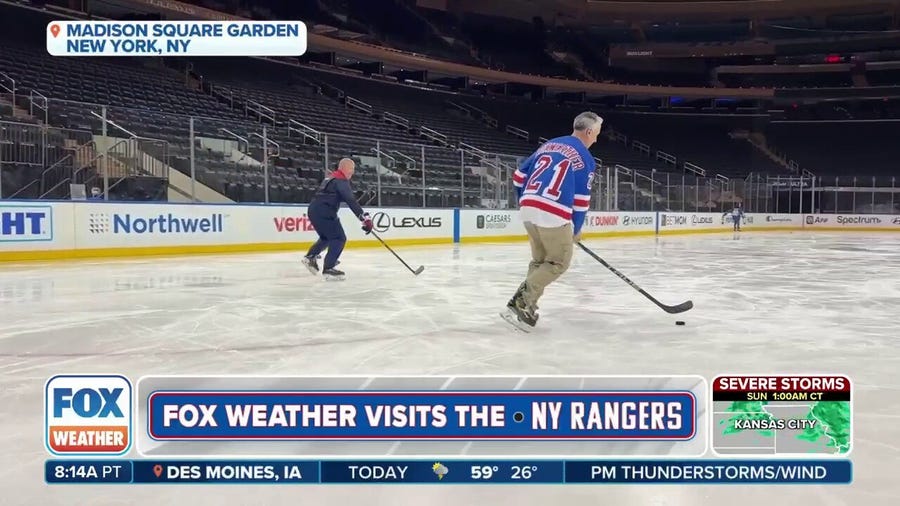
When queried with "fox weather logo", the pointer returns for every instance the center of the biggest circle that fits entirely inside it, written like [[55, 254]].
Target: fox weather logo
[[87, 414]]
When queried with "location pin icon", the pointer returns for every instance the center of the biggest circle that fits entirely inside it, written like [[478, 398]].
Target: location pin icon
[[54, 29], [157, 470]]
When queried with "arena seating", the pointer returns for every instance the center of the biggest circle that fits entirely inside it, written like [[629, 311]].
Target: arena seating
[[354, 111], [131, 104], [351, 131], [868, 149], [706, 144], [695, 140], [300, 165]]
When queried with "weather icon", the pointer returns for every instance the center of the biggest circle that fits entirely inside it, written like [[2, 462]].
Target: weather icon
[[440, 470]]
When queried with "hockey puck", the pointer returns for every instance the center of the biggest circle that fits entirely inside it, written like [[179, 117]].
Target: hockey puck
[[679, 322]]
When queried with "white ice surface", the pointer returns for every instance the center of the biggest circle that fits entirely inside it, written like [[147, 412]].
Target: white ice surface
[[769, 303]]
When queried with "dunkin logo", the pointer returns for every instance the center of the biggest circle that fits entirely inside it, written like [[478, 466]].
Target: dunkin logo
[[606, 220]]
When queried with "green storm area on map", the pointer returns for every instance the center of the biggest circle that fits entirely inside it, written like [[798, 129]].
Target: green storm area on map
[[832, 417]]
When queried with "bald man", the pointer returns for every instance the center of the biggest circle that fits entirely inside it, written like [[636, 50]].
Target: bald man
[[323, 212]]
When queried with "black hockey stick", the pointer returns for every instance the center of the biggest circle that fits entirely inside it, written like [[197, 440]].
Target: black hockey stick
[[414, 271], [679, 308]]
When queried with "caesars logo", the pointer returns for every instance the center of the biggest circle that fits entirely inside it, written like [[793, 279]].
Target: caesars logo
[[382, 222], [636, 221], [603, 220], [499, 220], [812, 220], [858, 220]]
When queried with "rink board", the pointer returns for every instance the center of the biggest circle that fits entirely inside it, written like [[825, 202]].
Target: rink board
[[47, 230], [113, 229]]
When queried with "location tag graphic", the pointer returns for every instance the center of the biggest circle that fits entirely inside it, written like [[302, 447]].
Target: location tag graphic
[[157, 470], [54, 30]]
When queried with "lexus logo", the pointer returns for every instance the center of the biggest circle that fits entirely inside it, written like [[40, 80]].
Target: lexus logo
[[896, 221], [381, 222]]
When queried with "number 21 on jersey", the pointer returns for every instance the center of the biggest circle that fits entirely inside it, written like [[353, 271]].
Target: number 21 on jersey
[[560, 170]]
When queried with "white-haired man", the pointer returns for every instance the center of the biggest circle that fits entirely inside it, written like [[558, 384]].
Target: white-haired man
[[323, 212], [554, 186]]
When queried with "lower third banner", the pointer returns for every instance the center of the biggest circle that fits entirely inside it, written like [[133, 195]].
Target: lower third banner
[[708, 471]]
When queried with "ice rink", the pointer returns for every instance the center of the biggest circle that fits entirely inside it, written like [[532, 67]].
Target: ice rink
[[764, 303]]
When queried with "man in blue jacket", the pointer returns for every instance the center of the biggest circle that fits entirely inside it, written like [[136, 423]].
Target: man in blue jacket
[[323, 213]]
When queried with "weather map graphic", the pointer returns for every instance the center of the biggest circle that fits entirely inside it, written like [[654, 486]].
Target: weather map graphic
[[806, 415]]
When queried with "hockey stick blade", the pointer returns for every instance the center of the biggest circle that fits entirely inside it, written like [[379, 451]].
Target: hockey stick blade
[[415, 272], [678, 308]]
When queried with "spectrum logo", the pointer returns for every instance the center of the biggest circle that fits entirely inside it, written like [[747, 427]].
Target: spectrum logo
[[86, 414]]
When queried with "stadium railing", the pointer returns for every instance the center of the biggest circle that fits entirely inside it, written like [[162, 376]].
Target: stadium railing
[[243, 160]]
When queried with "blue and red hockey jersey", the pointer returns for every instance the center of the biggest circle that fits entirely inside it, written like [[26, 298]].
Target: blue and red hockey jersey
[[557, 178]]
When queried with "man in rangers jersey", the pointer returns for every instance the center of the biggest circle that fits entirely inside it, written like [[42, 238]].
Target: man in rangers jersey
[[554, 187]]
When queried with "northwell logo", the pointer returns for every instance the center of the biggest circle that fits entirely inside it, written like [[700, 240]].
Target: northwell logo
[[103, 223]]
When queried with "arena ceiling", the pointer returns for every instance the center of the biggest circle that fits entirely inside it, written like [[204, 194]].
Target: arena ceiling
[[587, 12]]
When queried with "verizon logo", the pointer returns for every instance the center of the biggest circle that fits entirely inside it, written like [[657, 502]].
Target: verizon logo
[[294, 224]]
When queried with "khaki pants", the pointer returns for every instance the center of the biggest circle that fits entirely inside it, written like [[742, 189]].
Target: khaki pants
[[551, 254]]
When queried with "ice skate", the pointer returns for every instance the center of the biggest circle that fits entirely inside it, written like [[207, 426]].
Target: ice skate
[[311, 264], [333, 274], [519, 292], [519, 314]]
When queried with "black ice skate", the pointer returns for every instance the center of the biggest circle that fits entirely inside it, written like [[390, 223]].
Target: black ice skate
[[525, 313], [333, 274], [519, 292], [520, 315], [311, 264]]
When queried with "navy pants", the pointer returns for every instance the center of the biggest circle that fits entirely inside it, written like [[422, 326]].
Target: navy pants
[[331, 236]]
